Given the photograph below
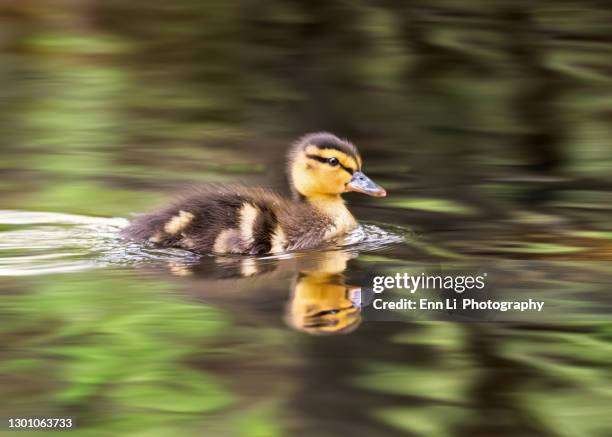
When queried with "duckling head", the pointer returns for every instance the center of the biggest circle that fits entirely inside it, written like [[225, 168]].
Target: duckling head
[[322, 165]]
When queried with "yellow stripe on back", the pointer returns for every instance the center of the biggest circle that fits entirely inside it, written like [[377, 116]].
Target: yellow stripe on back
[[248, 215], [278, 241], [178, 222]]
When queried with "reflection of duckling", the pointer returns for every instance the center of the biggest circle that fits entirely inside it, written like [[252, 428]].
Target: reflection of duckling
[[257, 221], [321, 303]]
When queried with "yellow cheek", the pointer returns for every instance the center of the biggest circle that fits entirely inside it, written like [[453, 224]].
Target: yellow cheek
[[331, 181], [312, 178], [341, 180]]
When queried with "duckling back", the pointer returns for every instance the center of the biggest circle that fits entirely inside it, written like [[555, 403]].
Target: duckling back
[[233, 220]]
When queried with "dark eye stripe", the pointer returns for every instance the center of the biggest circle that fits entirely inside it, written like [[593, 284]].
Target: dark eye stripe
[[317, 158], [348, 169], [324, 160]]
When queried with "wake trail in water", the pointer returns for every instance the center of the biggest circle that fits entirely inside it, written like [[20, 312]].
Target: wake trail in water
[[38, 243]]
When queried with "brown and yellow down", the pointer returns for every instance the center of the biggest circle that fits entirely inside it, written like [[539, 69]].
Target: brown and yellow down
[[241, 220]]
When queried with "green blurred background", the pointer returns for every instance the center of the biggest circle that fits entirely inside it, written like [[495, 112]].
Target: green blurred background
[[489, 123]]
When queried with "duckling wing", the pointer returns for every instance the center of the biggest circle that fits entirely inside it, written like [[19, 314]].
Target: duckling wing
[[302, 226], [230, 220]]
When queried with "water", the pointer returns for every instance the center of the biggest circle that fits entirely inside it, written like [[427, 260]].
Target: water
[[48, 243], [487, 125], [191, 341]]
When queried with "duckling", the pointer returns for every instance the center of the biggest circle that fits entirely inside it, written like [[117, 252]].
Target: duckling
[[242, 220]]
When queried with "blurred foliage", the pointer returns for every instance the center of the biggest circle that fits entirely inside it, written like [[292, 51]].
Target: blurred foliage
[[125, 350], [432, 205]]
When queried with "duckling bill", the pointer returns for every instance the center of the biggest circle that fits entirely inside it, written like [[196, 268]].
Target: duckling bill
[[243, 220]]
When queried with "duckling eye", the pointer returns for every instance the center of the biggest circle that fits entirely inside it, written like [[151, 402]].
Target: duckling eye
[[333, 161]]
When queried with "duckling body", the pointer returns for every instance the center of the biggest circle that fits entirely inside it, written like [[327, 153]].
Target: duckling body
[[236, 220], [242, 220]]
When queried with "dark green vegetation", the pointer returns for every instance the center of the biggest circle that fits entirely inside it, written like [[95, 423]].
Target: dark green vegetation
[[489, 124]]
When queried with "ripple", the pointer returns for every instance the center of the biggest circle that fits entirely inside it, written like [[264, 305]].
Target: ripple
[[371, 237], [38, 243], [10, 217]]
